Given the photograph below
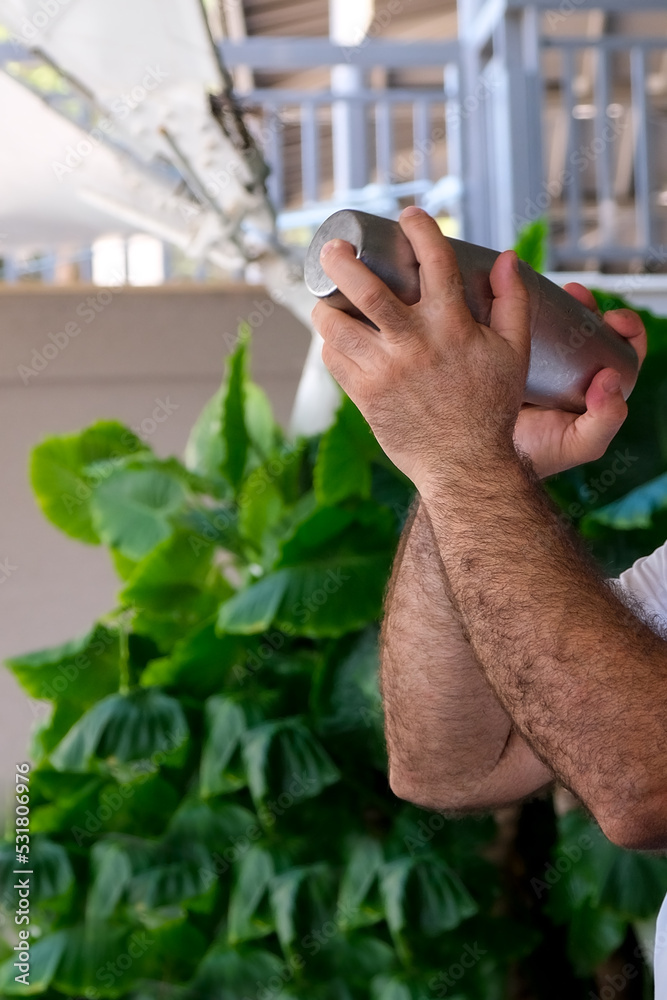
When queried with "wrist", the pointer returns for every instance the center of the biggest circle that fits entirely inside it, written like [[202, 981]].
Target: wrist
[[477, 474]]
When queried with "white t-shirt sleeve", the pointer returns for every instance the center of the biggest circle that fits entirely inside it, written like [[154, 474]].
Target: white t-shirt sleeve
[[647, 579]]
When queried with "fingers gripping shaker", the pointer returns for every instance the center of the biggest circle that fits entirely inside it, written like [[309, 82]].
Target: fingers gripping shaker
[[569, 343]]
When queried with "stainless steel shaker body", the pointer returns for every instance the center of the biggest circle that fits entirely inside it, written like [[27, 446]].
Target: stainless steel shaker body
[[569, 343]]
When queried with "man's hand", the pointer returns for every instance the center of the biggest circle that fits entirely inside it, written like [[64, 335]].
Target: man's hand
[[439, 389], [433, 383], [556, 440]]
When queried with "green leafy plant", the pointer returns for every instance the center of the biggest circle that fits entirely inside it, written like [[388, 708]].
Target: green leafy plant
[[210, 814], [532, 243]]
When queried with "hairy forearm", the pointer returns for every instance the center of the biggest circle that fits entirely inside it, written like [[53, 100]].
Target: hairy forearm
[[446, 730], [582, 676]]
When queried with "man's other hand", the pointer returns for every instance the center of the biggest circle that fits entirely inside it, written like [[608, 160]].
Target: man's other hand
[[556, 440]]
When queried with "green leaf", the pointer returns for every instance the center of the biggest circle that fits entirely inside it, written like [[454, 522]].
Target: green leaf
[[593, 934], [63, 482], [531, 244], [172, 574], [212, 824], [264, 433], [111, 876], [334, 988], [631, 884], [362, 956], [595, 873], [58, 786], [45, 956], [284, 757], [64, 796], [214, 525], [390, 988], [635, 510], [124, 727], [173, 951], [52, 876], [161, 877], [89, 949], [80, 671], [261, 511], [132, 510], [234, 430], [249, 915], [254, 609], [174, 881], [343, 466], [174, 589], [221, 768], [345, 694], [330, 579], [198, 663], [424, 894], [48, 732], [72, 959], [228, 974], [301, 901], [357, 904], [204, 450]]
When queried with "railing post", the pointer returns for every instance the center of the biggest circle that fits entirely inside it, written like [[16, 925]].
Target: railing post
[[348, 23], [453, 132], [310, 153], [472, 131], [348, 124], [273, 149], [384, 142], [516, 43], [606, 203], [501, 119], [642, 152]]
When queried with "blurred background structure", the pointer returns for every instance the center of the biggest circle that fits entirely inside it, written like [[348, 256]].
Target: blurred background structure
[[147, 123], [165, 164]]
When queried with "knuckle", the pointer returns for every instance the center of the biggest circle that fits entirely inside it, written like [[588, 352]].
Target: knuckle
[[372, 298], [331, 359], [346, 338], [329, 323], [437, 257], [452, 287], [352, 343]]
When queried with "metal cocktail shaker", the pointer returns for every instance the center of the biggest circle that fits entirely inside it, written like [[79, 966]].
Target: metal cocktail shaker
[[569, 345]]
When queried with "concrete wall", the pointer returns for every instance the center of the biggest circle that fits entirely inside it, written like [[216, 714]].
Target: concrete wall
[[135, 347]]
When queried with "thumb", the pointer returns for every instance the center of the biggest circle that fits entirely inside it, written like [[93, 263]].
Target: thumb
[[510, 312], [605, 413]]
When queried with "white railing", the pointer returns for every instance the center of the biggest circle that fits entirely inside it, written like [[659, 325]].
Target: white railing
[[352, 142], [573, 129], [518, 125], [606, 189]]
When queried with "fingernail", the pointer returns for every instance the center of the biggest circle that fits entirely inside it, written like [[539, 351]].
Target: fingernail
[[618, 312], [412, 210], [329, 246], [612, 383], [515, 260]]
